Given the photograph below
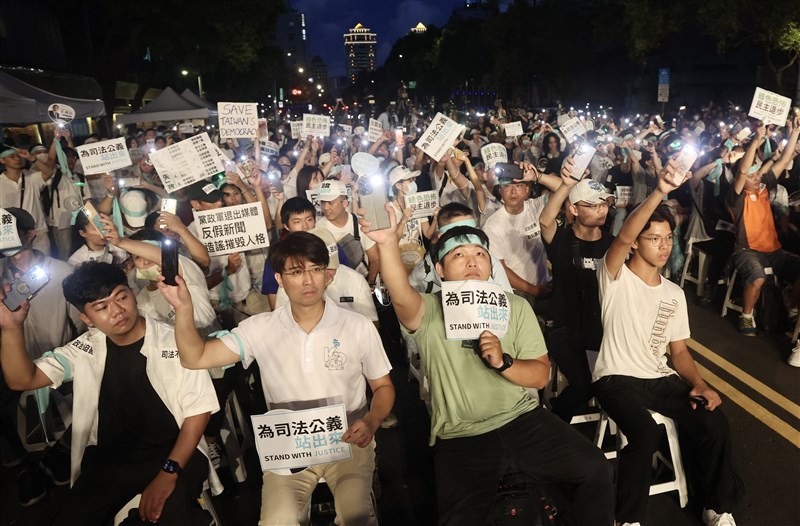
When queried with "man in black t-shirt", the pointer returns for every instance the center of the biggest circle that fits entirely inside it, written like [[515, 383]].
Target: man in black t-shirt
[[573, 251]]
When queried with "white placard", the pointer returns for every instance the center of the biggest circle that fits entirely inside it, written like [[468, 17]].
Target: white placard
[[346, 129], [296, 439], [297, 130], [9, 237], [102, 157], [624, 196], [316, 125], [186, 127], [187, 162], [513, 129], [237, 119], [238, 228], [375, 130], [493, 153], [769, 107], [663, 93], [471, 307], [572, 128], [313, 196], [60, 113], [268, 148], [564, 117], [438, 137], [422, 203]]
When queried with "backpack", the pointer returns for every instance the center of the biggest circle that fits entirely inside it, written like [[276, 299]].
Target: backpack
[[351, 244]]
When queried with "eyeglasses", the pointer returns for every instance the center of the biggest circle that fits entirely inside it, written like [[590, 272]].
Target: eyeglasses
[[657, 241], [595, 206], [297, 273]]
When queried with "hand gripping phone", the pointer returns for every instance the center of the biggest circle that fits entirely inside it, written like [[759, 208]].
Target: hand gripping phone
[[26, 287], [372, 195], [169, 261]]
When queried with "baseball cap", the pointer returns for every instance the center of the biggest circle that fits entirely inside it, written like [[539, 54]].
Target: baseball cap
[[133, 206], [38, 148], [205, 191], [401, 173], [331, 189], [589, 191], [324, 158], [333, 250]]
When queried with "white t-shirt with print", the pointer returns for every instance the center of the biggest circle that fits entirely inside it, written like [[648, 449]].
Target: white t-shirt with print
[[639, 321], [517, 240]]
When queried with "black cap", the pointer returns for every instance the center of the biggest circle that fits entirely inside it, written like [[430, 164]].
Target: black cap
[[24, 219], [205, 191]]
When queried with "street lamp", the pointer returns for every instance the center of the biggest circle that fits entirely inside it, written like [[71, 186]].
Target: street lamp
[[185, 72], [300, 70]]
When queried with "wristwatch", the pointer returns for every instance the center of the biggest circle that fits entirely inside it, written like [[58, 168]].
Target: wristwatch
[[171, 466], [508, 361]]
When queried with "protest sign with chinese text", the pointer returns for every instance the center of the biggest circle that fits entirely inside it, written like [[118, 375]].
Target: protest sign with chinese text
[[375, 130], [513, 129], [572, 128], [297, 130], [9, 237], [187, 162], [237, 119], [346, 129], [316, 125], [239, 228], [438, 137], [297, 439], [769, 107], [104, 156], [471, 307], [624, 196], [186, 127], [268, 148], [494, 153], [422, 203]]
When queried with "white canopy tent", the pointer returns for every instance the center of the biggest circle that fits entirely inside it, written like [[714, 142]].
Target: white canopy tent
[[21, 103], [168, 106]]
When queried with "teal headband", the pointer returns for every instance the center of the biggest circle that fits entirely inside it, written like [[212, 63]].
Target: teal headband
[[463, 222], [6, 153], [457, 241]]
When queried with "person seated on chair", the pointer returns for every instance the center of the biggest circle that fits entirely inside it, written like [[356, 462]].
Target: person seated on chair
[[643, 316], [310, 352], [138, 416], [482, 414], [757, 244]]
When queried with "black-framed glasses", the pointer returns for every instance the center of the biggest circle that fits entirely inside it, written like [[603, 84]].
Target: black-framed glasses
[[297, 273], [657, 241]]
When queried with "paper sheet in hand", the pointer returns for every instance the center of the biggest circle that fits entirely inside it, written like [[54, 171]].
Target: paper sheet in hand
[[104, 156], [513, 129], [769, 107], [316, 125], [297, 130], [438, 137], [187, 162], [572, 128], [375, 130], [471, 307], [238, 119], [296, 439]]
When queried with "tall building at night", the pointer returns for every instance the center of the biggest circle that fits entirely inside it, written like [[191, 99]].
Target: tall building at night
[[291, 37], [359, 44]]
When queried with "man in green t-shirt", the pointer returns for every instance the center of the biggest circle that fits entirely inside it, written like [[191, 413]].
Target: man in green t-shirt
[[482, 416]]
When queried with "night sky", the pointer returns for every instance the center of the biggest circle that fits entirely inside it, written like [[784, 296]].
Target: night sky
[[328, 20]]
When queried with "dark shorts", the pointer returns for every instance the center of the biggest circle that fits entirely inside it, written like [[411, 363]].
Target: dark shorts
[[751, 265]]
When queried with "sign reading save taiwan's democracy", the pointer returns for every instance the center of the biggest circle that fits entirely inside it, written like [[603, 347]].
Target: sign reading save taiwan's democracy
[[471, 307], [104, 156], [769, 107], [438, 137], [239, 228], [237, 119], [296, 439]]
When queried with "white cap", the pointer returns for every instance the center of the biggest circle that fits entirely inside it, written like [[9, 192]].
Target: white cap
[[331, 189], [359, 130], [324, 158], [589, 191], [330, 242], [133, 206], [401, 173]]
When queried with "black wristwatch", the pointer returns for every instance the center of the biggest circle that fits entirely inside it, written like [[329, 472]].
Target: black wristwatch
[[171, 466], [508, 361]]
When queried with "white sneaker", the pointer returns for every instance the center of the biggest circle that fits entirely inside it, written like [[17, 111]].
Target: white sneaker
[[794, 358], [628, 524], [712, 518]]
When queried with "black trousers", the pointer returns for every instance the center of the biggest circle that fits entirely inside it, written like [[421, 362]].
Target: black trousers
[[568, 349], [627, 400], [109, 479], [537, 443]]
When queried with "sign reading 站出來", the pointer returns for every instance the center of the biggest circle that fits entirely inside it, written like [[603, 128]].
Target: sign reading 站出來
[[238, 228], [9, 237], [770, 108], [104, 156], [296, 439], [471, 307], [237, 119], [422, 203], [573, 128], [187, 162], [493, 153], [375, 130], [316, 125], [438, 137], [513, 129]]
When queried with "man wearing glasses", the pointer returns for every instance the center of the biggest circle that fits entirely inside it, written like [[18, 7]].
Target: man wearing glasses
[[644, 315], [575, 251], [311, 353]]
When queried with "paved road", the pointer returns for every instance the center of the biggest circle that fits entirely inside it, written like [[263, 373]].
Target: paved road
[[760, 397]]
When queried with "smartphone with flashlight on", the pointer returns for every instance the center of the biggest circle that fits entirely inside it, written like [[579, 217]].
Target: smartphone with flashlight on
[[94, 218], [26, 287], [169, 205], [169, 261], [684, 161], [507, 171], [581, 159], [372, 195], [274, 177]]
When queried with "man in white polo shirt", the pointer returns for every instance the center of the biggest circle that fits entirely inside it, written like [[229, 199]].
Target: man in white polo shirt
[[341, 223], [316, 354]]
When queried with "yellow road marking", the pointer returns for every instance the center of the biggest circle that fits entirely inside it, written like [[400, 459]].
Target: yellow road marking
[[765, 391], [773, 422]]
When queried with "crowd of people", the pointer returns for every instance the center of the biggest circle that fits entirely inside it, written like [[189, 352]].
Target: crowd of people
[[589, 258]]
